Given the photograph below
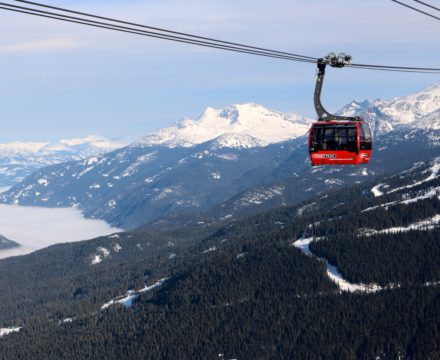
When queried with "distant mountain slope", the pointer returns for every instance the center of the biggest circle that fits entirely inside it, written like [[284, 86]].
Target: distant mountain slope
[[394, 151], [135, 184], [232, 162], [387, 115], [5, 243], [170, 171], [20, 159]]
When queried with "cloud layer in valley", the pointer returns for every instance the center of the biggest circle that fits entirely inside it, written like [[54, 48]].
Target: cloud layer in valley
[[36, 228]]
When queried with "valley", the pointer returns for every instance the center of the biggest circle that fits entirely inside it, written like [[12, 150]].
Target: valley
[[33, 228], [229, 244], [243, 269]]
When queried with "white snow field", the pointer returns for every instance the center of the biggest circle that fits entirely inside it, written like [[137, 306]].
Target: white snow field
[[35, 228]]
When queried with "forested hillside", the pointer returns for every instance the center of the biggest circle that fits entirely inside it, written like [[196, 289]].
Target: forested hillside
[[5, 243], [242, 290]]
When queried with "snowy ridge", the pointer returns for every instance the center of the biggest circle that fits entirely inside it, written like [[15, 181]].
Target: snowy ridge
[[432, 121], [72, 145], [427, 224], [237, 141], [238, 126], [420, 110], [408, 108], [127, 299], [408, 198], [19, 159], [258, 196], [435, 169]]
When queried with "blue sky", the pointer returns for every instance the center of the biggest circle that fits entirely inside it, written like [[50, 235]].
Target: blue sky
[[64, 80]]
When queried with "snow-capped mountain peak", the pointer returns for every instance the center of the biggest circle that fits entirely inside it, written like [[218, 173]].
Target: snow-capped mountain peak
[[409, 108], [244, 121], [21, 146], [385, 115], [92, 141]]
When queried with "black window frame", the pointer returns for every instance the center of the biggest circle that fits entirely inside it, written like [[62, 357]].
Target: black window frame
[[346, 142], [365, 136]]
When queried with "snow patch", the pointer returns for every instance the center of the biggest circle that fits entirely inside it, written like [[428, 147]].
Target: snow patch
[[141, 160], [92, 160], [101, 254], [228, 157], [43, 182], [406, 199], [258, 197], [68, 320], [427, 224], [333, 182], [216, 175], [306, 207], [7, 331], [435, 169], [211, 249], [127, 299], [85, 171], [376, 190]]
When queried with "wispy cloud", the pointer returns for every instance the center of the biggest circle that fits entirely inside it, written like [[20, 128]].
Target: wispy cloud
[[42, 45]]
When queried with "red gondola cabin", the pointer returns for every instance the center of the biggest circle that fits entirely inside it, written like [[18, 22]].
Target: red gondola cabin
[[340, 143], [336, 139]]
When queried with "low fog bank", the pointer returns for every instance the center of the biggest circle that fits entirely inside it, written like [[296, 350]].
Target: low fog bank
[[35, 228]]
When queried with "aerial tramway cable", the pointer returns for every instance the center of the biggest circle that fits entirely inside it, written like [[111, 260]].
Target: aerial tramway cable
[[165, 30], [166, 34], [108, 26], [428, 5], [415, 9], [186, 35]]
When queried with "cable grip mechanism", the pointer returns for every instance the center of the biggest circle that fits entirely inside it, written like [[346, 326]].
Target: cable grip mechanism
[[337, 61]]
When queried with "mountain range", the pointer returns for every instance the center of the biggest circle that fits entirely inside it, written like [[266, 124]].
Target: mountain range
[[241, 249], [20, 159], [420, 110], [230, 163]]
